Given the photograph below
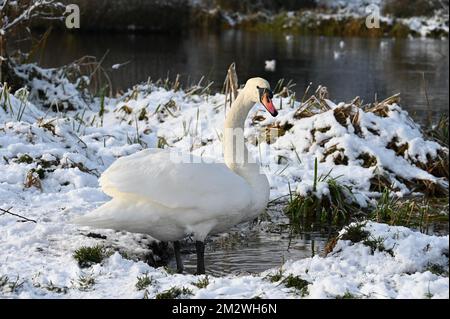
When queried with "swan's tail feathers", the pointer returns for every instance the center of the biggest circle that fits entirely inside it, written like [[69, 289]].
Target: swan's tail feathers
[[117, 214], [105, 216], [94, 222]]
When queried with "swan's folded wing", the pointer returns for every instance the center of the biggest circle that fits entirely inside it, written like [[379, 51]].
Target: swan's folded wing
[[155, 175]]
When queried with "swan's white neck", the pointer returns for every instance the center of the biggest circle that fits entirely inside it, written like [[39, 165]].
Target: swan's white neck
[[235, 152], [236, 155], [239, 111]]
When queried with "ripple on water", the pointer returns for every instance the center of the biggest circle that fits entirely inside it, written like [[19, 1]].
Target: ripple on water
[[255, 252]]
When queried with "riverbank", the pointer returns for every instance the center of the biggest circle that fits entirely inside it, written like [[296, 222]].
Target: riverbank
[[402, 264], [177, 16], [56, 139], [344, 24]]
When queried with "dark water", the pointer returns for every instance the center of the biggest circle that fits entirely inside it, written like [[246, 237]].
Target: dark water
[[255, 252], [250, 249], [364, 67]]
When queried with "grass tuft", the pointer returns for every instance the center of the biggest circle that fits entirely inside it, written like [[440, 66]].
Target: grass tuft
[[143, 282], [52, 288], [438, 270], [296, 282], [7, 285], [86, 282], [143, 115], [276, 277], [174, 293], [355, 233], [347, 295], [25, 158], [377, 244], [169, 270], [416, 213], [87, 256], [439, 132], [202, 283], [339, 206], [428, 295]]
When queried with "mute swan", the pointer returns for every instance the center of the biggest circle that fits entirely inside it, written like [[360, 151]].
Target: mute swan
[[155, 194], [270, 65]]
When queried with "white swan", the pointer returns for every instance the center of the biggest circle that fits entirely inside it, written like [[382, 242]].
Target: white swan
[[167, 199], [270, 65]]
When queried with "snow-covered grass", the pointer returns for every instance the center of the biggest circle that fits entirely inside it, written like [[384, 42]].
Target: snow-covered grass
[[50, 163], [353, 144]]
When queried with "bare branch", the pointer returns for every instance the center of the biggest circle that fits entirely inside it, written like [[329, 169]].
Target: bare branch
[[7, 211], [4, 4], [31, 12]]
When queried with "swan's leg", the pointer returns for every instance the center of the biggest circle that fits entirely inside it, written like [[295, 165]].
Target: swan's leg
[[200, 247], [176, 248]]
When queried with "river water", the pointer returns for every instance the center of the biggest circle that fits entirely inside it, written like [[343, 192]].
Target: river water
[[349, 67], [254, 248]]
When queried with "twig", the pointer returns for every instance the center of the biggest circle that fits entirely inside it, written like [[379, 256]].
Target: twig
[[231, 85], [7, 211], [429, 110], [99, 64], [30, 13], [276, 199]]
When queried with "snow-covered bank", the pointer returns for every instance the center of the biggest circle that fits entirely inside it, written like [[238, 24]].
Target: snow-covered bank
[[334, 18], [357, 145], [416, 266], [50, 163]]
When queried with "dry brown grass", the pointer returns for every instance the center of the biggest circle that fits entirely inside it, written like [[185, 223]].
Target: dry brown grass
[[348, 115], [32, 180]]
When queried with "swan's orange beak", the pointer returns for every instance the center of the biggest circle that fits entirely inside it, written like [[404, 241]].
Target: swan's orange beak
[[267, 102]]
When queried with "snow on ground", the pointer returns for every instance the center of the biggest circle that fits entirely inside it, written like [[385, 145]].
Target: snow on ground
[[352, 270], [50, 163]]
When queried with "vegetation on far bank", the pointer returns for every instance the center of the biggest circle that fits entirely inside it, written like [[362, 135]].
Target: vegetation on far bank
[[319, 23], [307, 17]]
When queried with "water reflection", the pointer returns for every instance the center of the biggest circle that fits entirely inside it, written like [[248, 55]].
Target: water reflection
[[255, 252], [357, 66]]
